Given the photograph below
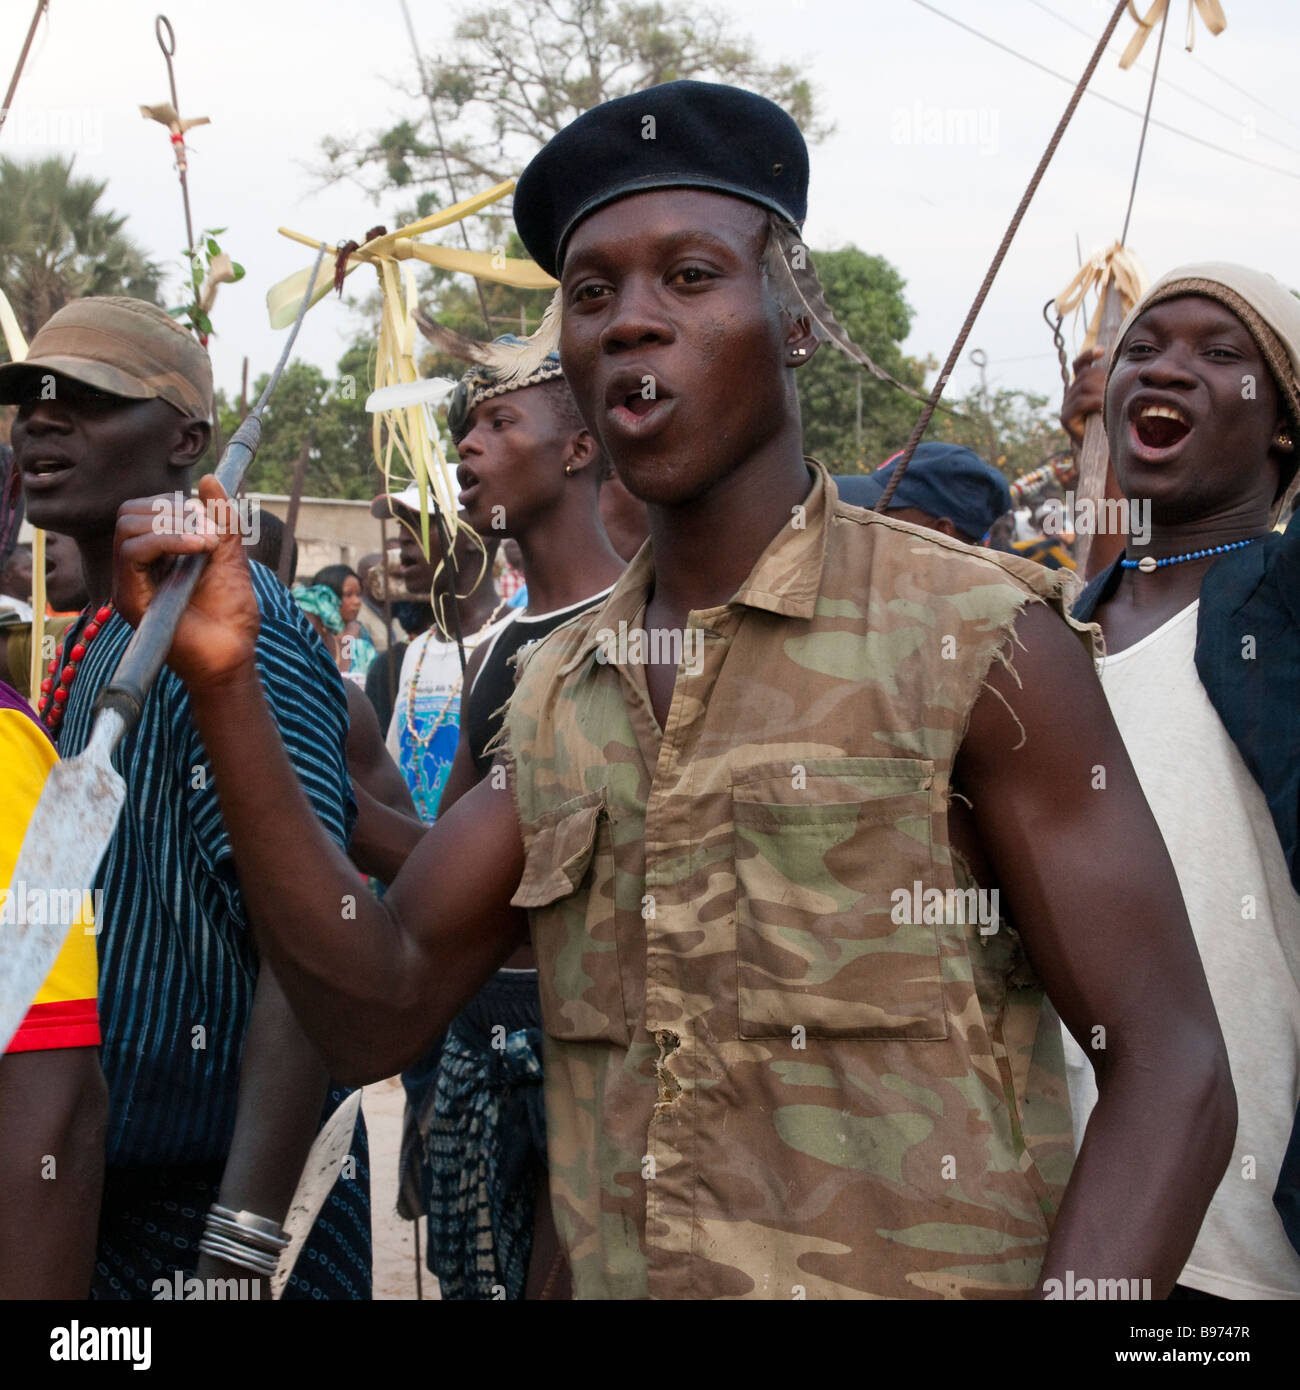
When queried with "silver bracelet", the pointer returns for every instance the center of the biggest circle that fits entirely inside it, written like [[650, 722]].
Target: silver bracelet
[[232, 1230], [243, 1238], [250, 1219], [233, 1254]]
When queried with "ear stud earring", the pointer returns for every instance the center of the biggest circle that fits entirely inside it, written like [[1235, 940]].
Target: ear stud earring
[[1284, 440]]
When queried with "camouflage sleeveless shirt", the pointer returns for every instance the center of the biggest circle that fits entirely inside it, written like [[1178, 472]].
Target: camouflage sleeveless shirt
[[787, 1055]]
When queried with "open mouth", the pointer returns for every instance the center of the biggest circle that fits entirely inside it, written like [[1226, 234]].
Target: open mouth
[[469, 482], [639, 405], [636, 415], [1160, 427], [40, 474]]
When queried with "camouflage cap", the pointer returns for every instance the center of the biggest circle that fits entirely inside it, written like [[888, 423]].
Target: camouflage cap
[[122, 346]]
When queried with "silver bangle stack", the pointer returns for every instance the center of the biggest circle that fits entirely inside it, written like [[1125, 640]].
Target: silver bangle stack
[[243, 1238]]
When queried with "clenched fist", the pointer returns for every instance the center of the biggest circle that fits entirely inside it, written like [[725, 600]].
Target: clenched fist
[[216, 637]]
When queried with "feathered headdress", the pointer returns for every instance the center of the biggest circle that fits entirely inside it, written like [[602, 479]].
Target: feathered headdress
[[508, 363]]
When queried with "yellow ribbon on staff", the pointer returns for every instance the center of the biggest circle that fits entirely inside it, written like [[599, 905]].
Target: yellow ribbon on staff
[[1209, 10], [405, 436], [1116, 264]]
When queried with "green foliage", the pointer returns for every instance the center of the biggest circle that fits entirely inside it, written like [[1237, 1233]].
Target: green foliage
[[1017, 432], [514, 76], [58, 243], [199, 262], [866, 295], [1013, 430], [332, 410]]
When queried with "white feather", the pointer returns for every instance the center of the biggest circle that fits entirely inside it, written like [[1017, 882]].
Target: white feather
[[431, 391]]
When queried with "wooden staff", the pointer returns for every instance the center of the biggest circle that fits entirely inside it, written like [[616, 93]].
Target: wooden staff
[[1094, 456]]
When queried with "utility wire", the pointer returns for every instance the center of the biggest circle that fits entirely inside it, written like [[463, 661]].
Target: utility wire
[[963, 333], [1110, 101], [1235, 119], [1146, 121]]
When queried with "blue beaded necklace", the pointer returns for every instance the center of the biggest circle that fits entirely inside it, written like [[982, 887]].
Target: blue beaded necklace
[[1148, 564]]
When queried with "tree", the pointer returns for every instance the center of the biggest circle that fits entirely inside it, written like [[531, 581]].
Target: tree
[[57, 243], [517, 75], [332, 411], [1022, 425], [866, 295]]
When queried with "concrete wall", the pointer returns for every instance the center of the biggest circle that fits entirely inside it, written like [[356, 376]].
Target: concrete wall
[[330, 531]]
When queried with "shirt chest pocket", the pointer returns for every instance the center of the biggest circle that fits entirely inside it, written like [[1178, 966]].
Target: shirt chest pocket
[[568, 889], [823, 940]]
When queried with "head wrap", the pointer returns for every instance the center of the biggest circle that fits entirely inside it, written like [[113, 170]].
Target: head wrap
[[121, 346], [495, 376], [321, 602], [677, 135], [1269, 311], [943, 480]]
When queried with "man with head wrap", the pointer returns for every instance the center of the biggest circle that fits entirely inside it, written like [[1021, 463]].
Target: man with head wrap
[[529, 470], [1202, 629]]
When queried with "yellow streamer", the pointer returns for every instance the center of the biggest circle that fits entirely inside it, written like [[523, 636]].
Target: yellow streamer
[[405, 438], [1211, 13]]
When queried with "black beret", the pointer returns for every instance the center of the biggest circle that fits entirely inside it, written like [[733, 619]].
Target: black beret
[[677, 135]]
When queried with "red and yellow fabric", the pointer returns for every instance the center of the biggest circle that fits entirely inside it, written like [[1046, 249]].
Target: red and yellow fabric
[[65, 1013]]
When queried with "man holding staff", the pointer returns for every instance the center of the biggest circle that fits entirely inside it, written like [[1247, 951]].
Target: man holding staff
[[767, 1074]]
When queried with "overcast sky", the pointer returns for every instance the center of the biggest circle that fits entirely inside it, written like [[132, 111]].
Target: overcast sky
[[275, 76]]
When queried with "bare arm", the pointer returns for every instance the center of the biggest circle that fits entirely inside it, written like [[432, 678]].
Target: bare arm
[[282, 1086], [388, 827], [369, 762], [373, 983], [53, 1114], [464, 772], [1098, 906]]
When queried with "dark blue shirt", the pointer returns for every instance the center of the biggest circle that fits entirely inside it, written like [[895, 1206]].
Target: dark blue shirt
[[177, 967]]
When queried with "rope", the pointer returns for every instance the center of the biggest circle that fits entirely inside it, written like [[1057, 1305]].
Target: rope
[[41, 7], [928, 412]]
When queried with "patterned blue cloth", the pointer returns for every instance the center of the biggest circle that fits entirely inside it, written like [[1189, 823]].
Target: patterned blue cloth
[[177, 966], [486, 1142]]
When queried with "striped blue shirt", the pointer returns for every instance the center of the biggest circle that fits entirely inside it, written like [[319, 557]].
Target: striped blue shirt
[[177, 966]]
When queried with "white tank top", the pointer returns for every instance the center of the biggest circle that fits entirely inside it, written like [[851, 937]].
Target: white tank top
[[1246, 918]]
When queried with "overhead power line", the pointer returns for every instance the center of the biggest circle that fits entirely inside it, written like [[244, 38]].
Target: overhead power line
[[1234, 117], [1110, 101]]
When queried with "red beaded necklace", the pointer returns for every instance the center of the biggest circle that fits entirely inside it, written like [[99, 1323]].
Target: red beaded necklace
[[54, 698]]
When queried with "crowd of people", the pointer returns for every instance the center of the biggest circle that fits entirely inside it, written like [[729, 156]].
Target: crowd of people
[[773, 897]]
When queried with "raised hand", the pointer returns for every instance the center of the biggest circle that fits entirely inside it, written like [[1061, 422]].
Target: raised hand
[[217, 633], [1085, 394]]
